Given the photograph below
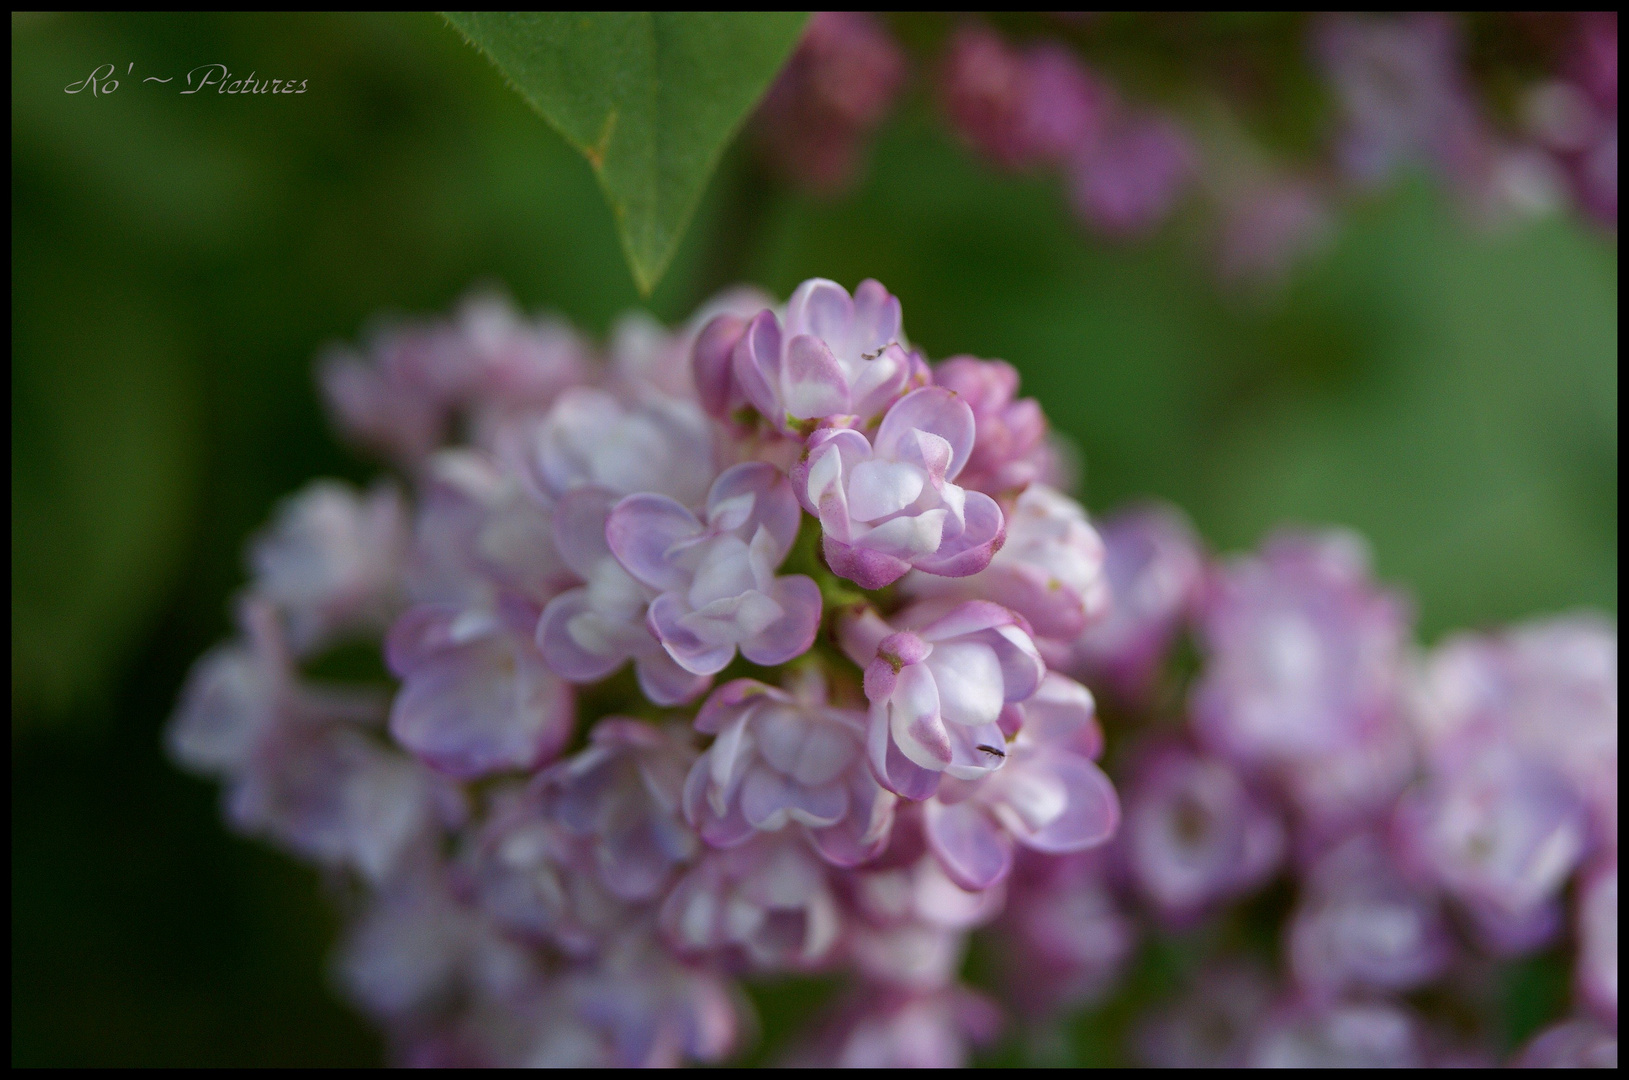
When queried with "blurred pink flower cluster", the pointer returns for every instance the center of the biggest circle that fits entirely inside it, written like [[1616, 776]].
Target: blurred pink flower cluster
[[763, 646], [1401, 99]]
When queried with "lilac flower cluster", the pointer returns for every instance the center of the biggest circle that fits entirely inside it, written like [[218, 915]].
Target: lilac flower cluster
[[764, 646], [837, 731], [1433, 814]]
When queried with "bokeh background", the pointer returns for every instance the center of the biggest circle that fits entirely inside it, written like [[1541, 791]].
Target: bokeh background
[[1447, 390]]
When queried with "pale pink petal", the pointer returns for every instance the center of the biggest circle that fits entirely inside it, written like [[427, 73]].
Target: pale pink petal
[[974, 852], [794, 632], [774, 506], [724, 704], [968, 677], [665, 682], [821, 308], [878, 488], [769, 801], [967, 618], [1090, 815], [483, 708], [561, 650], [892, 768], [971, 550], [813, 385], [932, 409], [914, 720], [866, 568], [908, 538], [579, 528], [1021, 665], [419, 634], [881, 380], [1062, 713], [876, 316], [710, 362], [667, 620], [756, 364], [643, 532], [975, 751]]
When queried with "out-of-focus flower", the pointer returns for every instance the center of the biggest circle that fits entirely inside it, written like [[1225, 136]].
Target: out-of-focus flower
[[417, 949], [766, 901], [476, 697], [1501, 833], [1360, 925], [400, 399], [1195, 833], [332, 562], [940, 691], [1548, 690], [481, 533], [1020, 109], [1598, 940], [836, 89], [1303, 674], [780, 758], [718, 589], [1212, 1025], [1153, 568], [622, 794], [1571, 1044], [646, 1011], [590, 438], [889, 503], [887, 1028], [1356, 1035], [1268, 228], [1065, 936], [1127, 182], [1402, 96]]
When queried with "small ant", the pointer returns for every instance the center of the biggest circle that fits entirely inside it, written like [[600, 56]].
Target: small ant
[[879, 352], [991, 750]]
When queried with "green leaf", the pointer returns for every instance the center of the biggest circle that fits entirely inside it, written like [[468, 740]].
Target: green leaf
[[650, 98]]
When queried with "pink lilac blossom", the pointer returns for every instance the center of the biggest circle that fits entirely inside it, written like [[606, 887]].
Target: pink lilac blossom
[[1303, 680], [718, 586], [1010, 450], [1361, 925], [940, 692], [889, 503], [839, 85], [1574, 116], [1196, 834], [1153, 568], [554, 865], [1065, 936], [780, 758], [332, 562], [1020, 109]]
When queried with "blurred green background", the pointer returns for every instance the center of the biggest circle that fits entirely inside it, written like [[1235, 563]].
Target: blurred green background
[[177, 261]]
